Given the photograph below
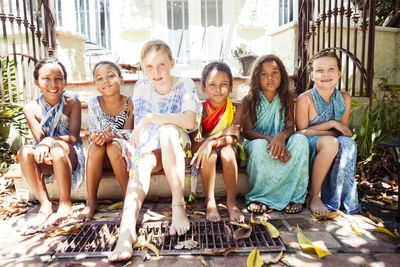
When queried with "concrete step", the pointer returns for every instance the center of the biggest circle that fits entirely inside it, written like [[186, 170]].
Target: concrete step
[[109, 187]]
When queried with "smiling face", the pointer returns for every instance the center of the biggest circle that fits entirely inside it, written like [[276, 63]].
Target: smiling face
[[270, 78], [107, 80], [217, 87], [157, 66], [51, 82], [325, 73]]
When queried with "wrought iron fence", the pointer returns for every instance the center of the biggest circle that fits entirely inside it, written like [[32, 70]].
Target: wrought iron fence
[[339, 25], [27, 34]]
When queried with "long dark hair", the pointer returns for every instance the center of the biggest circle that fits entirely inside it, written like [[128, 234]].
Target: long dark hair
[[253, 97]]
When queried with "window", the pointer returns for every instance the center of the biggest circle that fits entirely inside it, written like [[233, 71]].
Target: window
[[285, 11], [196, 29]]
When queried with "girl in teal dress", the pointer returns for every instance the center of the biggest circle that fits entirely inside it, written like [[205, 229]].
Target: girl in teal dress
[[278, 159]]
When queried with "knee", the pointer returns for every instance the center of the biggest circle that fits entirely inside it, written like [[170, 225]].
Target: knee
[[57, 150], [227, 153], [25, 152], [168, 133], [330, 145], [113, 150], [210, 161]]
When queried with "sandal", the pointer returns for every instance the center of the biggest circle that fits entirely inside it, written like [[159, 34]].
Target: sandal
[[290, 210], [260, 210]]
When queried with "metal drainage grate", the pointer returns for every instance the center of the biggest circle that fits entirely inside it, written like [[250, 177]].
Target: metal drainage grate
[[98, 239]]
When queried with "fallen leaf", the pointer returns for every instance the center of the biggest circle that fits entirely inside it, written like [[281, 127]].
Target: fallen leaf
[[386, 231], [396, 233], [216, 252], [149, 246], [118, 205], [166, 213], [104, 201], [71, 230], [228, 232], [327, 216], [187, 244], [242, 233], [376, 220], [276, 259], [308, 246], [355, 228], [271, 229], [254, 259], [203, 261], [243, 225], [145, 254]]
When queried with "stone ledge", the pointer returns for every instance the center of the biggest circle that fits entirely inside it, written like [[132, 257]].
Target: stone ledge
[[109, 187]]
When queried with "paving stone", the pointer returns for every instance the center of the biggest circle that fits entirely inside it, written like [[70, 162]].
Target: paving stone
[[322, 239], [388, 259], [334, 260], [290, 241], [303, 223]]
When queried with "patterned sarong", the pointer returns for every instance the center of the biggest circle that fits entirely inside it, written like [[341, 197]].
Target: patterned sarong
[[273, 183], [55, 123], [339, 189]]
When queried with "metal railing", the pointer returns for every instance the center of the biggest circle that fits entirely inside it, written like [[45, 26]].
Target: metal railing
[[338, 25], [27, 34]]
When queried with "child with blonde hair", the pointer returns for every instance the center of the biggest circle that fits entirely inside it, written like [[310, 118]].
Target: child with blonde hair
[[166, 108], [323, 114], [110, 125]]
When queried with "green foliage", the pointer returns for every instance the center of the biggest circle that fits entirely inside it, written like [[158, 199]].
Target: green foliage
[[383, 8], [10, 114], [381, 123]]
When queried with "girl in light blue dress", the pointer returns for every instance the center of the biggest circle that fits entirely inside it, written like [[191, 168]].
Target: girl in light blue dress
[[322, 114], [278, 159]]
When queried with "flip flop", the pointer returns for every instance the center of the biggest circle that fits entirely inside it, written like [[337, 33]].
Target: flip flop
[[293, 211], [260, 210]]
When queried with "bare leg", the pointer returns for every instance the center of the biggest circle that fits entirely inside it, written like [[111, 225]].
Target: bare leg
[[173, 161], [230, 171], [64, 160], [135, 194], [326, 148], [34, 176], [208, 174], [94, 171], [118, 164]]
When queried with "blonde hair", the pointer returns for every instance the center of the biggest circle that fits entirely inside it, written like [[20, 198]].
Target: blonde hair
[[156, 45]]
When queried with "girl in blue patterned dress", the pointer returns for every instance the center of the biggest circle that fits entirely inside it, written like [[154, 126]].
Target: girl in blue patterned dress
[[110, 125], [166, 108], [322, 114], [55, 121], [278, 159]]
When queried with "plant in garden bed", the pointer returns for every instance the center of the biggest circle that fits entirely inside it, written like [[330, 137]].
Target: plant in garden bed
[[11, 115], [376, 169]]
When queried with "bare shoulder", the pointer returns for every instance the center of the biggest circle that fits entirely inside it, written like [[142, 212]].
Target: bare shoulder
[[31, 106], [72, 102], [346, 96], [304, 98]]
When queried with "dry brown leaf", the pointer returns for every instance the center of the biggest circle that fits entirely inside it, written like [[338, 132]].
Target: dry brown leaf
[[70, 230], [387, 232], [203, 261], [242, 233], [166, 213], [376, 220], [276, 259], [216, 252], [187, 244], [327, 216]]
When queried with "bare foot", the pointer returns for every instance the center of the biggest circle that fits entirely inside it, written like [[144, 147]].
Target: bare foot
[[123, 250], [317, 206], [40, 218], [180, 223], [63, 214], [87, 213], [212, 211], [234, 213]]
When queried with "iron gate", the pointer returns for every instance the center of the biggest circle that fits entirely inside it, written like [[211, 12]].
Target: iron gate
[[339, 25], [27, 35]]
